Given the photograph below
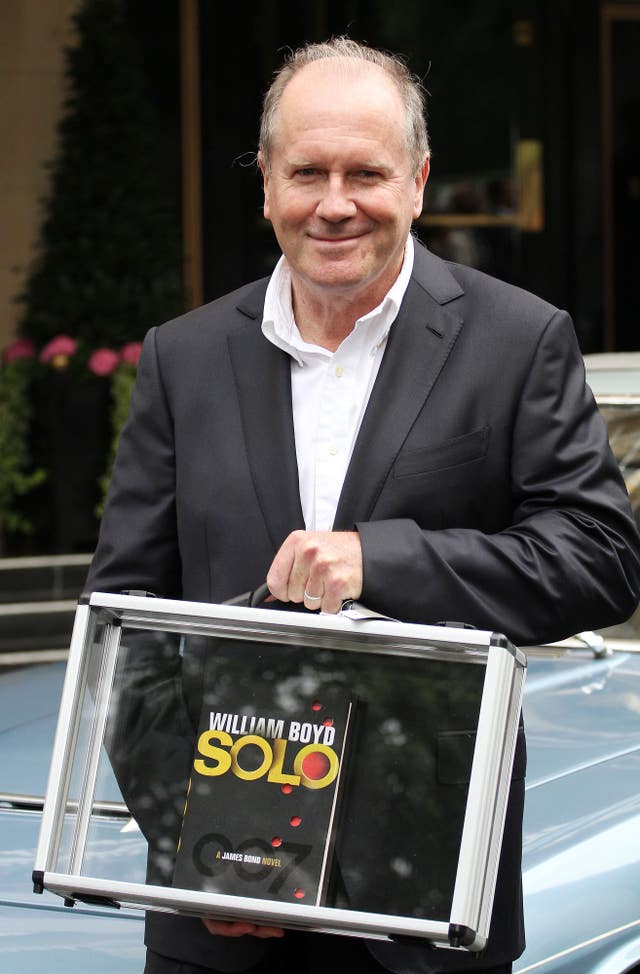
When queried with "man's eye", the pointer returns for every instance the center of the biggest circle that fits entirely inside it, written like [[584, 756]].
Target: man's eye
[[367, 174], [309, 171]]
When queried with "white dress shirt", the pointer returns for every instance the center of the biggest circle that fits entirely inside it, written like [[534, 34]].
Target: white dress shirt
[[329, 390]]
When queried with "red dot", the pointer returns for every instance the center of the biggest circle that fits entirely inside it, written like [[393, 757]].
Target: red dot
[[276, 841], [315, 765], [286, 789], [298, 893], [316, 705], [328, 722], [295, 821]]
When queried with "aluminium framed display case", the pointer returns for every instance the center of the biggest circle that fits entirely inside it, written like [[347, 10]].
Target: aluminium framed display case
[[337, 773]]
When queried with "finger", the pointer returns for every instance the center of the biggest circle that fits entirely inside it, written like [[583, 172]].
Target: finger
[[278, 574], [265, 932], [334, 594], [306, 573], [227, 928], [240, 928], [313, 593]]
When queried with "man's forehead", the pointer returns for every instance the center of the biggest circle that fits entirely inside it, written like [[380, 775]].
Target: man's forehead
[[341, 67], [342, 77], [338, 93]]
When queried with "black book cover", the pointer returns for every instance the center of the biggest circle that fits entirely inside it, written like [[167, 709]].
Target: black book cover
[[266, 784]]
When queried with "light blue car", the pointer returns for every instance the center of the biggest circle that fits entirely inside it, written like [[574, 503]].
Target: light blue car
[[38, 933], [582, 715], [582, 818]]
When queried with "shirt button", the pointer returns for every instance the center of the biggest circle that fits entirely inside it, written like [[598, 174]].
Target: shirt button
[[333, 450], [339, 371]]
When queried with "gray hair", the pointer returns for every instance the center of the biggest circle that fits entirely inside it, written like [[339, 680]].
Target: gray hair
[[408, 86]]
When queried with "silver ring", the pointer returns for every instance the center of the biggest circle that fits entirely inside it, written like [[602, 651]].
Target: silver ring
[[312, 598]]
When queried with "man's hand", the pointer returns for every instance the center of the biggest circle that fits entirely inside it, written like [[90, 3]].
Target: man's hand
[[240, 928], [319, 568]]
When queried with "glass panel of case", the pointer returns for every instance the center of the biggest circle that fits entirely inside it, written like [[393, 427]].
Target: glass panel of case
[[287, 772]]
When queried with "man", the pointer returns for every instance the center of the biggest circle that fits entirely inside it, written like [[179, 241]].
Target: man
[[371, 423]]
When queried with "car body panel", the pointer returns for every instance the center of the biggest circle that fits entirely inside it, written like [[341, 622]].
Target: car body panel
[[583, 728], [581, 850], [40, 932], [613, 373]]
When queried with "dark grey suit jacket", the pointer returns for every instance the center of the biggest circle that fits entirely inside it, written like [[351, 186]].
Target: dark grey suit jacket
[[481, 483]]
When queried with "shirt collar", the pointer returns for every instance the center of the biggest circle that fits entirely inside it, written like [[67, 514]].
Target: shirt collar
[[278, 322]]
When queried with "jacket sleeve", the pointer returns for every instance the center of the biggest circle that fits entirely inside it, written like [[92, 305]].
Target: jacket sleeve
[[138, 543], [150, 735], [569, 559]]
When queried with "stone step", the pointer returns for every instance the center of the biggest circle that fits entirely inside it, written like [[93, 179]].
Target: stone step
[[38, 601], [36, 625], [42, 578]]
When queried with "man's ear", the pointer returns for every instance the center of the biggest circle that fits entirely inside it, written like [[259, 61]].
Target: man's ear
[[265, 183], [420, 182]]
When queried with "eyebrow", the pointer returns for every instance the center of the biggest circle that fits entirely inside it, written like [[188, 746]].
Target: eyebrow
[[366, 165]]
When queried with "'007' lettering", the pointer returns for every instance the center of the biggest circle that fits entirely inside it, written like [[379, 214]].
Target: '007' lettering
[[213, 853]]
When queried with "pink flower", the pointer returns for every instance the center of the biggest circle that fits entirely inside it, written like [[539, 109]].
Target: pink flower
[[103, 361], [20, 348], [131, 352], [58, 350]]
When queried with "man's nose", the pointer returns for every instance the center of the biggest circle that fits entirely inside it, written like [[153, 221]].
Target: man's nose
[[335, 202]]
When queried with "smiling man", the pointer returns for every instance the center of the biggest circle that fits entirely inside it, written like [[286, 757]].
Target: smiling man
[[341, 190], [369, 423]]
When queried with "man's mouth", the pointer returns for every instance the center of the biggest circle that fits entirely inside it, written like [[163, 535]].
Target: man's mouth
[[345, 238]]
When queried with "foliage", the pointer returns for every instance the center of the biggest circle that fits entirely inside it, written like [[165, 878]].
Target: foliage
[[109, 261], [16, 475], [21, 369]]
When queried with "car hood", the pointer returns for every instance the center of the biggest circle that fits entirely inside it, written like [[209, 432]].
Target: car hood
[[582, 814], [581, 855], [579, 712], [67, 940], [40, 932], [582, 719], [29, 703]]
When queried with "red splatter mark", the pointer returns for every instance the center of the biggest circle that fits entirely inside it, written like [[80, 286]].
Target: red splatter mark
[[299, 893], [316, 705], [328, 722], [276, 841], [286, 789], [315, 765], [295, 821]]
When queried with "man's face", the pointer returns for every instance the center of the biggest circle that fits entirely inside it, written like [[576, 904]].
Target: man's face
[[341, 193]]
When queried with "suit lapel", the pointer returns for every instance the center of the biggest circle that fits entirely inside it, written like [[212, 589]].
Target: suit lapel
[[419, 344], [263, 382]]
